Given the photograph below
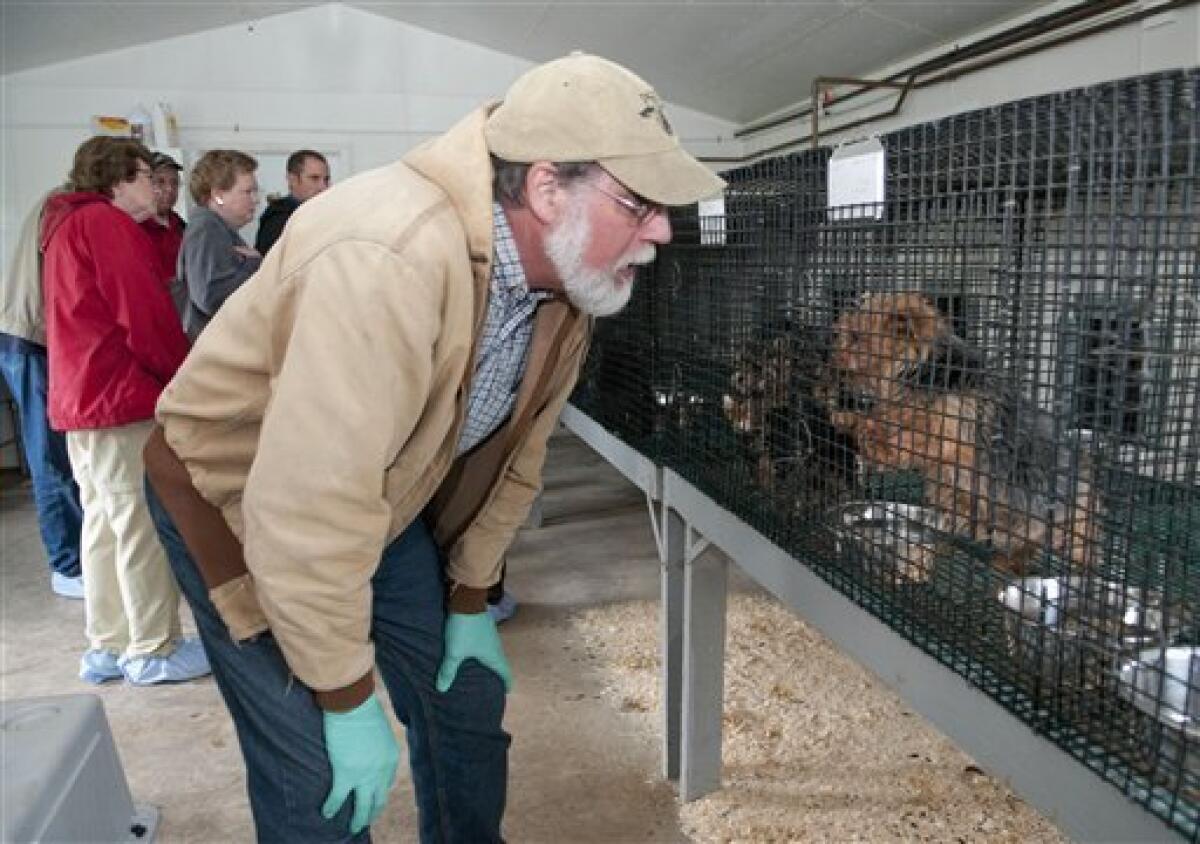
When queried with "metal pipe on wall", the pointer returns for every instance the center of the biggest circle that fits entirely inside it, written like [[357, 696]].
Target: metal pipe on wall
[[946, 62], [1021, 32]]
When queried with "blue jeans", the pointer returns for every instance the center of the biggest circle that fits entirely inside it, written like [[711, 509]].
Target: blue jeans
[[54, 491], [458, 752]]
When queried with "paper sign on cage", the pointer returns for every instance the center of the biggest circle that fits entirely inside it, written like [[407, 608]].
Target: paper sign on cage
[[712, 221], [856, 181]]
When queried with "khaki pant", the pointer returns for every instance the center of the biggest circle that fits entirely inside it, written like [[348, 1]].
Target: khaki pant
[[130, 594]]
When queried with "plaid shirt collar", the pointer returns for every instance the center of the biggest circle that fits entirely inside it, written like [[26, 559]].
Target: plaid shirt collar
[[508, 276]]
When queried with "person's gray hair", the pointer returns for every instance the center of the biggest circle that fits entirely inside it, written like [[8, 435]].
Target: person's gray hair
[[508, 183]]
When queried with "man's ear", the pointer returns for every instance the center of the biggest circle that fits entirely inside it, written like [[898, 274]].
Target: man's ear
[[544, 194]]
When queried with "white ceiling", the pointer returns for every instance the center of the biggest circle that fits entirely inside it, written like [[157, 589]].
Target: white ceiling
[[734, 59]]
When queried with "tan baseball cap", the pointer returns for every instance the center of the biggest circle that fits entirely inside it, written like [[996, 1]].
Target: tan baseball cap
[[585, 108]]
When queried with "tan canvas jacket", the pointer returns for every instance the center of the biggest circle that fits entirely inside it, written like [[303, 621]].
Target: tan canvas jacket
[[321, 407], [21, 301]]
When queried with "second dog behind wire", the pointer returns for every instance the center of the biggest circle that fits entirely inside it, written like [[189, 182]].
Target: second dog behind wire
[[996, 468], [798, 456]]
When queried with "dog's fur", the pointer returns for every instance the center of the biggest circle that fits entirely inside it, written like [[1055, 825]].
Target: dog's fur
[[992, 465], [873, 346], [786, 432]]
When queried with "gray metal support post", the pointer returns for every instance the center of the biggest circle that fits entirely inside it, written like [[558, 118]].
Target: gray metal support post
[[704, 596], [671, 638]]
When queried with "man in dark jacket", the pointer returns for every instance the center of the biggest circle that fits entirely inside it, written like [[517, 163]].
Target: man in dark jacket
[[165, 227], [307, 176]]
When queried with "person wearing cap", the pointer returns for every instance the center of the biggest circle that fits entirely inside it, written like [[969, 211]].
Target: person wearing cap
[[354, 440], [165, 227], [307, 176]]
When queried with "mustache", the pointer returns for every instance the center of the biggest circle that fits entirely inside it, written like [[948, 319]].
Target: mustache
[[641, 256]]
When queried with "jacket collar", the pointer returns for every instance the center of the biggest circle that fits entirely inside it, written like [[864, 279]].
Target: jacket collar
[[60, 206], [459, 162], [200, 211]]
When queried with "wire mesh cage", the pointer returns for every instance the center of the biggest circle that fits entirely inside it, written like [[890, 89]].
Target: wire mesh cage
[[617, 384], [973, 409]]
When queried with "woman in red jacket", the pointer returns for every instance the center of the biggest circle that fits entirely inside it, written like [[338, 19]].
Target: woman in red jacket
[[114, 341]]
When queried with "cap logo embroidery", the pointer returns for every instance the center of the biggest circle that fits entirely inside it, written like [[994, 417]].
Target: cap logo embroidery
[[653, 106]]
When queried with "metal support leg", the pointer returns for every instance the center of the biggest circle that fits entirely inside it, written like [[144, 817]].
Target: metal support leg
[[704, 598], [536, 513], [671, 638]]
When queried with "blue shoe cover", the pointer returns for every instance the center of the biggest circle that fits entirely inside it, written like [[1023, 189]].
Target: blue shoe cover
[[99, 667], [67, 587], [187, 662], [504, 609]]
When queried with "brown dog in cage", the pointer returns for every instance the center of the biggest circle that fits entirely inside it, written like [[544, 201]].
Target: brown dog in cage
[[873, 346], [995, 469]]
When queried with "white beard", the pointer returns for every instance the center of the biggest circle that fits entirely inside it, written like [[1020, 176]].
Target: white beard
[[596, 292]]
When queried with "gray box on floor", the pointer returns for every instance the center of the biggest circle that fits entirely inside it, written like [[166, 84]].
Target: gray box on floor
[[62, 779]]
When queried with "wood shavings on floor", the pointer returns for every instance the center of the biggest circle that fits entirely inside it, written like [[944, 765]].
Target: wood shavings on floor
[[815, 748]]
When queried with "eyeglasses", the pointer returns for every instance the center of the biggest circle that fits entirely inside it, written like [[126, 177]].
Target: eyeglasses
[[641, 209]]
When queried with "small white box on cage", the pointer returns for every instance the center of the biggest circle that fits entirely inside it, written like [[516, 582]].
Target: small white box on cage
[[712, 221], [855, 182]]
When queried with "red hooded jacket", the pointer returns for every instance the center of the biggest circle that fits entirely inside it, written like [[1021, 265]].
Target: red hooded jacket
[[167, 241], [113, 336]]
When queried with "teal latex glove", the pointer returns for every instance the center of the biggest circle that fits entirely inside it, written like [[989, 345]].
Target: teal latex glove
[[363, 755], [472, 636]]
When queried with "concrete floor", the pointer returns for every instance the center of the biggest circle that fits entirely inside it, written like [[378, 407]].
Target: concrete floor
[[577, 772]]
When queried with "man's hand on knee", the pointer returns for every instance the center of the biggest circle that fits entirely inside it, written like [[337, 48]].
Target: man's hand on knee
[[472, 636], [363, 755]]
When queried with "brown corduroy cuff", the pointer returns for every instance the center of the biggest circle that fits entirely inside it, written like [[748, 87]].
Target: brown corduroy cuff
[[347, 697], [466, 600]]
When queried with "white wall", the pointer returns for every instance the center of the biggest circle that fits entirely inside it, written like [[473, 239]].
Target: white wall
[[344, 81], [359, 87], [365, 88], [1162, 42]]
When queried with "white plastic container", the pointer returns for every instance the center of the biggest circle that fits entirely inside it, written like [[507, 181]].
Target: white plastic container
[[62, 780]]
